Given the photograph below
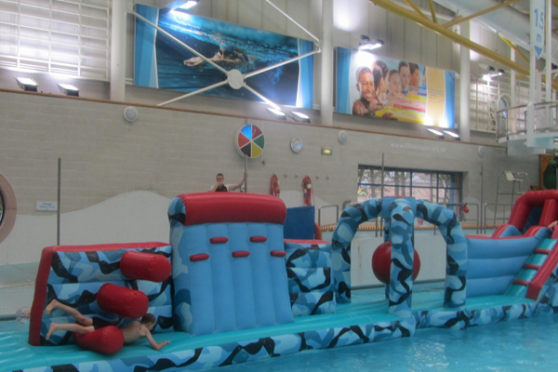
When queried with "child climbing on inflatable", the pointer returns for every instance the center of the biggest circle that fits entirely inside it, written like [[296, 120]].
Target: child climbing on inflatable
[[84, 324]]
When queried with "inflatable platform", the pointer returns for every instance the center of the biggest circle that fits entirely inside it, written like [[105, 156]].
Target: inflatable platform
[[239, 292]]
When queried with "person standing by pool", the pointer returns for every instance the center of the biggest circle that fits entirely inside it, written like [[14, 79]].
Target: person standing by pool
[[220, 184]]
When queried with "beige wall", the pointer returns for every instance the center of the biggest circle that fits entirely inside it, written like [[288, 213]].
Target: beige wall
[[403, 40], [171, 152]]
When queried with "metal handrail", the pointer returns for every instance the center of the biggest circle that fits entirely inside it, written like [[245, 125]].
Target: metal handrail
[[460, 205], [503, 117], [328, 206], [496, 218], [345, 203]]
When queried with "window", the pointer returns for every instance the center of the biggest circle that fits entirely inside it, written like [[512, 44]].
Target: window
[[436, 187], [69, 37]]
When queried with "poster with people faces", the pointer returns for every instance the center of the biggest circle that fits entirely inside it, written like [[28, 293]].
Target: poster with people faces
[[379, 87]]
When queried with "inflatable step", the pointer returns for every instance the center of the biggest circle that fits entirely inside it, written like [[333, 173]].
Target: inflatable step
[[531, 269], [313, 303]]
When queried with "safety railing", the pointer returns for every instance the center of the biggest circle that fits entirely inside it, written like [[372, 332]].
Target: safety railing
[[458, 209], [512, 121], [503, 218]]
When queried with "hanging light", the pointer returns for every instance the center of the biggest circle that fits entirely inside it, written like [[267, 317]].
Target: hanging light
[[28, 85], [367, 45], [189, 4], [68, 89], [300, 117]]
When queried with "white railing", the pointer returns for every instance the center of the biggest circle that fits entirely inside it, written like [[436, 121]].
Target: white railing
[[512, 121]]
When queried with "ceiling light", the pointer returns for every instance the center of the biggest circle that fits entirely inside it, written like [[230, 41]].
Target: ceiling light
[[438, 134], [27, 84], [189, 4], [300, 117], [68, 89], [277, 113], [455, 136], [367, 45]]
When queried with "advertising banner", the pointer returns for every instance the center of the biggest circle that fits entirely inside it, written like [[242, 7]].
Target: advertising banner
[[385, 88], [162, 63]]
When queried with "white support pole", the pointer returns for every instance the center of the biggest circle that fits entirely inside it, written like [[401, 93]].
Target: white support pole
[[464, 88], [548, 93], [326, 102], [548, 14], [118, 51], [530, 127], [513, 80]]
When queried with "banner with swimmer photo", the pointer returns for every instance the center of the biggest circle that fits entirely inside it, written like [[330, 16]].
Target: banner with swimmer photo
[[379, 87], [162, 63]]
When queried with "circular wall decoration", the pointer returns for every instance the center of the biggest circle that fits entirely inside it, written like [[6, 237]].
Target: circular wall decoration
[[342, 136], [296, 145], [131, 114], [8, 208], [480, 151], [249, 141]]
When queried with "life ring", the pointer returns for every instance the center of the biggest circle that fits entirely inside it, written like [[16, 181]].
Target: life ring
[[274, 186], [307, 190]]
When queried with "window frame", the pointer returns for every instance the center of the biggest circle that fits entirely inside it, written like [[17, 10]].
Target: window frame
[[455, 178]]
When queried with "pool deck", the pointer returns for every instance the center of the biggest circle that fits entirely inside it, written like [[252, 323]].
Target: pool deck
[[364, 320]]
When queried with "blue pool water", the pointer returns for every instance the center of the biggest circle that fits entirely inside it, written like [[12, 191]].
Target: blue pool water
[[523, 345]]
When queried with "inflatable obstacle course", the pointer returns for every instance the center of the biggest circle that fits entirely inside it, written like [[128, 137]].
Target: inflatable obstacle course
[[229, 259]]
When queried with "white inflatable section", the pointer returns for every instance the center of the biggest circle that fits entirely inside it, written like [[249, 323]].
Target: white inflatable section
[[131, 217]]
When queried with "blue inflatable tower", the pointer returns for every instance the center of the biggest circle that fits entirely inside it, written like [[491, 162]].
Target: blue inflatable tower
[[229, 267]]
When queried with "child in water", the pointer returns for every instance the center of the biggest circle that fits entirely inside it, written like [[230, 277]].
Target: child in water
[[132, 332]]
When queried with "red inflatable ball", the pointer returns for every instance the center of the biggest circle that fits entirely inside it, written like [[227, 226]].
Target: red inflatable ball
[[145, 266], [126, 302], [107, 340], [381, 262]]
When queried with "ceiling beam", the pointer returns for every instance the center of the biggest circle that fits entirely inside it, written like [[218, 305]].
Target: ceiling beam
[[515, 48], [439, 29], [415, 8], [433, 11], [482, 12]]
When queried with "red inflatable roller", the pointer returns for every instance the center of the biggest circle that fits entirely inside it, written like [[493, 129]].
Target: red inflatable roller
[[107, 340], [381, 262], [145, 266], [126, 302]]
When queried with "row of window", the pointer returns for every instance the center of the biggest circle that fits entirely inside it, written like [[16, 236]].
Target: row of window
[[436, 187]]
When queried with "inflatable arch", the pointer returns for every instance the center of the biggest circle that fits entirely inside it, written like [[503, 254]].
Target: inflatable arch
[[399, 215]]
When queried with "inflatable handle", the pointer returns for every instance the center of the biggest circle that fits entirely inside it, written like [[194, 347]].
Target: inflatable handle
[[126, 302], [145, 266], [107, 340]]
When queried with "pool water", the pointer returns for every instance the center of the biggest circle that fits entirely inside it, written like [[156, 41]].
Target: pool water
[[522, 346]]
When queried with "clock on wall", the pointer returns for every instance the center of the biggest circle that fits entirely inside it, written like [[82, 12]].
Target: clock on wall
[[296, 145]]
